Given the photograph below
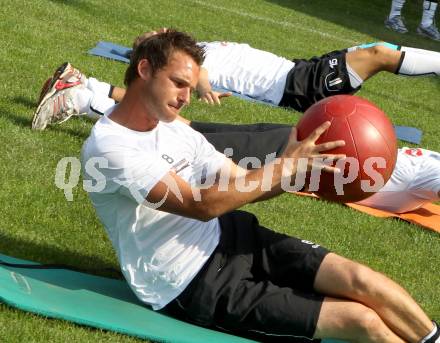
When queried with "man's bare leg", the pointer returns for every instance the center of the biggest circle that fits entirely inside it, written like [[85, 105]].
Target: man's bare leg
[[368, 62], [344, 279], [353, 322]]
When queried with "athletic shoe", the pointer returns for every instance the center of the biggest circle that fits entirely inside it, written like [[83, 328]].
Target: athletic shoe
[[65, 77], [58, 107], [65, 72], [429, 31], [396, 24]]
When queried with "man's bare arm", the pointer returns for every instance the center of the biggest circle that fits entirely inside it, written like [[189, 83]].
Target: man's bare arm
[[205, 91], [178, 197]]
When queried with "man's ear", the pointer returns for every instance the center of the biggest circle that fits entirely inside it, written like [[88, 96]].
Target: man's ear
[[144, 69]]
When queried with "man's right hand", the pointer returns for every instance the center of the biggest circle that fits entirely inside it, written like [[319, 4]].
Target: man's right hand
[[308, 149]]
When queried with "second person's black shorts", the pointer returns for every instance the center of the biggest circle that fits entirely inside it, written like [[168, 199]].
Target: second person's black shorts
[[317, 78]]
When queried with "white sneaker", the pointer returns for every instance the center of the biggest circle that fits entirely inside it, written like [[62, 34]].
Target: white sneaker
[[429, 31], [65, 72], [58, 107], [396, 23], [56, 102]]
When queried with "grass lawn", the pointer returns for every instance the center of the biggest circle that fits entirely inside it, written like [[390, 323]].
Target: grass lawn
[[37, 222]]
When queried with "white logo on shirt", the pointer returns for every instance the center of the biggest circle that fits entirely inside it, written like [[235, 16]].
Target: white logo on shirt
[[178, 166], [168, 158], [416, 152]]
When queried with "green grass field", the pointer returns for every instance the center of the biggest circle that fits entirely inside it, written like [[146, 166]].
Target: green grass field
[[37, 222]]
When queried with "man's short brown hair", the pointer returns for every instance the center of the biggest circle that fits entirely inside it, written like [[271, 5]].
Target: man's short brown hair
[[158, 49]]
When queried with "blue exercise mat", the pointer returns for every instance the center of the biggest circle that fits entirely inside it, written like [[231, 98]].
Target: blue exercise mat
[[408, 134], [95, 301], [111, 51], [121, 53]]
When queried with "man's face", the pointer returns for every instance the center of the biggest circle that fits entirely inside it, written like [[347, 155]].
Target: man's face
[[170, 88]]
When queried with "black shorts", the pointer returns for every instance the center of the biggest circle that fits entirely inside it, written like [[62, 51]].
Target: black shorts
[[317, 78], [250, 140], [257, 284]]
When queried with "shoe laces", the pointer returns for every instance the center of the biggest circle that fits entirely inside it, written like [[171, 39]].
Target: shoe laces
[[73, 75], [62, 108]]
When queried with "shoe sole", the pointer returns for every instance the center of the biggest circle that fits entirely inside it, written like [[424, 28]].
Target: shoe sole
[[47, 91], [59, 73], [392, 29], [421, 33]]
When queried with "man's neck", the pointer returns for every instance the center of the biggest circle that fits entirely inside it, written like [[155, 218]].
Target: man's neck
[[132, 114]]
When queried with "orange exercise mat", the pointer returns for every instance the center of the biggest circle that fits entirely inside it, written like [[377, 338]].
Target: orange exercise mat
[[427, 216]]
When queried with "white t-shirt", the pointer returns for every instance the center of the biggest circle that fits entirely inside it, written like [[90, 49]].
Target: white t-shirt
[[159, 252], [415, 181], [245, 70]]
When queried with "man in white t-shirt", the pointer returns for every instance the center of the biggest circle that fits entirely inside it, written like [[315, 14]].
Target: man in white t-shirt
[[167, 200], [259, 74]]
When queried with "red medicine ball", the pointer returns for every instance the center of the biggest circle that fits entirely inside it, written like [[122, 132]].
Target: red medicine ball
[[370, 147]]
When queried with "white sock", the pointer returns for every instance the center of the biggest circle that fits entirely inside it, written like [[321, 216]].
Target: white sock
[[396, 8], [421, 51], [418, 62], [99, 101], [92, 104], [97, 86], [429, 9], [99, 104], [82, 99]]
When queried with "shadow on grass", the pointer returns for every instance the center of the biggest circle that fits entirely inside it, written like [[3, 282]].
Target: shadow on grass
[[70, 131], [16, 119], [19, 248], [81, 5], [67, 2], [28, 102], [24, 121], [405, 102], [367, 18]]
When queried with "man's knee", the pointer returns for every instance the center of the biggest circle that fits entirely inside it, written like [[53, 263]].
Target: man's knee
[[368, 324], [369, 61], [383, 56], [362, 279], [380, 52], [356, 322]]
